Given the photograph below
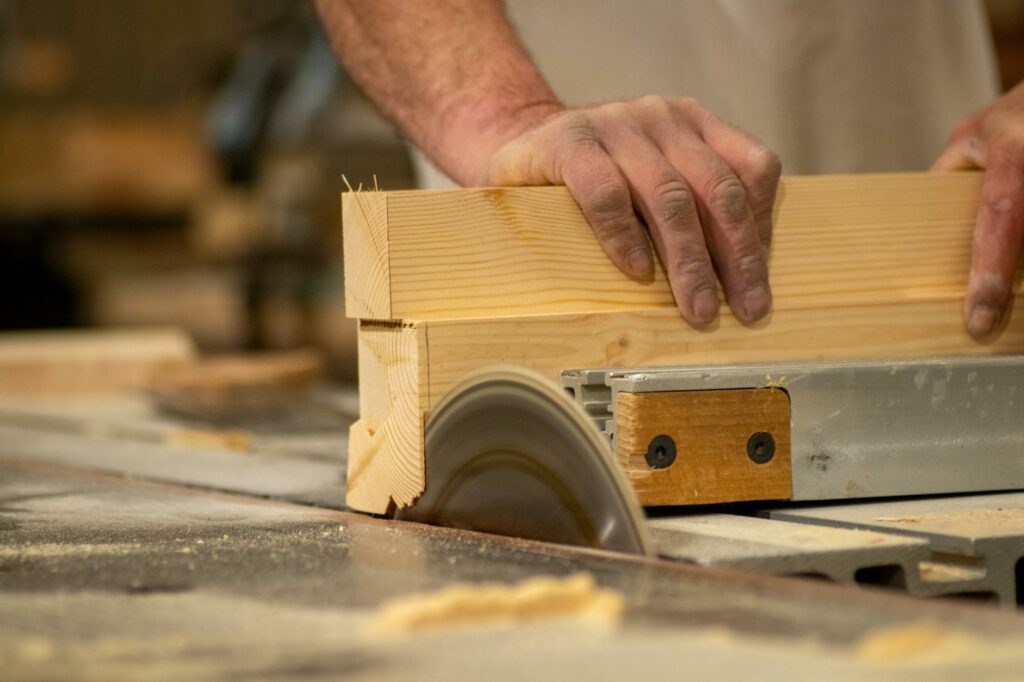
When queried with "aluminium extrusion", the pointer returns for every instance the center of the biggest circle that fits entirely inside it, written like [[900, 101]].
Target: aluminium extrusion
[[865, 428]]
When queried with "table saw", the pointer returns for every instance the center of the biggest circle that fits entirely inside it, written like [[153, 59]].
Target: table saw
[[524, 409], [475, 306], [126, 554]]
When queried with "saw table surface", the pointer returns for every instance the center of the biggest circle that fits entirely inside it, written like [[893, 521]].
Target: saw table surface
[[125, 556]]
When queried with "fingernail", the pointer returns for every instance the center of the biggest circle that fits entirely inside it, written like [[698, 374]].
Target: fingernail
[[639, 262], [705, 306], [756, 302], [982, 321]]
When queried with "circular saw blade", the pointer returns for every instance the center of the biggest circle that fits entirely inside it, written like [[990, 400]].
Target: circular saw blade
[[508, 452]]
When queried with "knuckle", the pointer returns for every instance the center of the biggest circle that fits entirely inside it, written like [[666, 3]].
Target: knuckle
[[673, 203], [579, 128], [693, 265], [615, 109], [654, 102], [610, 201], [765, 163], [728, 199], [688, 104], [620, 117], [750, 265], [1003, 201], [999, 202]]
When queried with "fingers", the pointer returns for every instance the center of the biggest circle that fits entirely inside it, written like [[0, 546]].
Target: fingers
[[670, 210], [955, 157], [705, 190], [757, 166], [998, 236], [992, 139], [571, 154], [736, 242], [604, 197], [963, 150]]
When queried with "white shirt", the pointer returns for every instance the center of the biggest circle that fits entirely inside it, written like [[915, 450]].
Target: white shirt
[[833, 86]]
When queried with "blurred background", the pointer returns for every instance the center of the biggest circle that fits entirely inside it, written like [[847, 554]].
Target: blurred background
[[179, 162]]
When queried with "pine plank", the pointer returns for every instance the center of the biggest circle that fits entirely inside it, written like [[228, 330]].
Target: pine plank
[[385, 462], [839, 240], [864, 267], [87, 361]]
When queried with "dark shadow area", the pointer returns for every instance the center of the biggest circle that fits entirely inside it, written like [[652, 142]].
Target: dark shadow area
[[812, 575], [886, 575], [977, 597], [1018, 577]]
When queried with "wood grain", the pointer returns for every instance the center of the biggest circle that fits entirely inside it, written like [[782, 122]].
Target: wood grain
[[443, 352], [710, 430], [863, 267], [366, 247], [385, 457], [552, 343], [839, 240]]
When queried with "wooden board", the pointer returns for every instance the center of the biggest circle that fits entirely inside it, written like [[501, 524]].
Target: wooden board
[[839, 240], [76, 162], [234, 387], [406, 368], [707, 436], [367, 273], [864, 267], [87, 361]]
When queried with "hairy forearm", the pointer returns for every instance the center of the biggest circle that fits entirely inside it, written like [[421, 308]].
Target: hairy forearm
[[452, 74]]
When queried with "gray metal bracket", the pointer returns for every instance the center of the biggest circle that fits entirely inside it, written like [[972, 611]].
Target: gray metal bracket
[[865, 428]]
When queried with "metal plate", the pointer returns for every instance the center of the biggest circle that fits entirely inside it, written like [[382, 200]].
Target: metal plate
[[870, 428], [508, 453]]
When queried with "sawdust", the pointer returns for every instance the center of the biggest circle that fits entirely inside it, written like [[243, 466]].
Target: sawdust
[[52, 549], [965, 522], [36, 650], [916, 643], [236, 441], [934, 571], [538, 598]]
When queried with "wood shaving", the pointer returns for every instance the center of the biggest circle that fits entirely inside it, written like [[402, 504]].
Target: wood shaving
[[915, 643], [538, 598]]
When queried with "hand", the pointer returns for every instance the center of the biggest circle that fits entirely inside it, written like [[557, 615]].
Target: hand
[[704, 190], [992, 139]]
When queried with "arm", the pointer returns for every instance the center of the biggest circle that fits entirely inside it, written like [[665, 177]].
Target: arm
[[992, 139], [453, 75]]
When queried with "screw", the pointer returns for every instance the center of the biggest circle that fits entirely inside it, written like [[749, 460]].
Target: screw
[[761, 447], [661, 453]]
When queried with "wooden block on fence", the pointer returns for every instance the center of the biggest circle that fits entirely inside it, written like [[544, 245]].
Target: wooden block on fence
[[864, 267], [704, 447], [839, 240]]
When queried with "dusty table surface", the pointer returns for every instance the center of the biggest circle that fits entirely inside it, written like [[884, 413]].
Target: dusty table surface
[[103, 577], [124, 558]]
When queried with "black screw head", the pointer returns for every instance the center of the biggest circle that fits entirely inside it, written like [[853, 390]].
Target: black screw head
[[661, 453], [761, 447]]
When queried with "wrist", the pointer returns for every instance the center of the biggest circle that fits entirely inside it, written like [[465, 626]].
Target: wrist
[[474, 133]]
